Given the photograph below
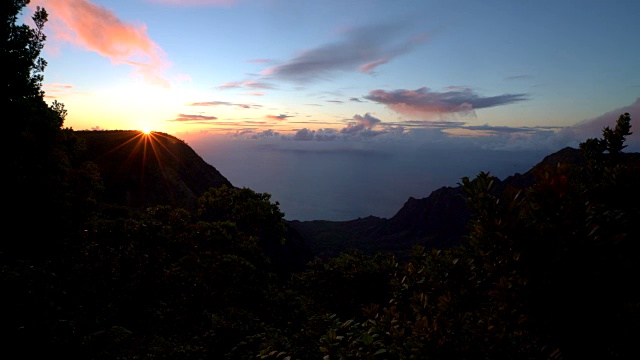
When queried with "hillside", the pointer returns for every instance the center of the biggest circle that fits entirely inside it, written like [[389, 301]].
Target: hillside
[[144, 170]]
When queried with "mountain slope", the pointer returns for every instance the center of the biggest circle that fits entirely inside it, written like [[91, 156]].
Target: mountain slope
[[145, 170]]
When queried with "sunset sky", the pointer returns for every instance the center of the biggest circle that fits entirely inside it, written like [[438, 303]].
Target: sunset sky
[[510, 75]]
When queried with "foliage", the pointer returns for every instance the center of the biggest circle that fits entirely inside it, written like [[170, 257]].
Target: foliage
[[252, 211], [347, 283], [547, 271]]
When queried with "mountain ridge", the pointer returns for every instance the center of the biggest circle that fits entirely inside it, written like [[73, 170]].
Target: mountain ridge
[[141, 170], [438, 220]]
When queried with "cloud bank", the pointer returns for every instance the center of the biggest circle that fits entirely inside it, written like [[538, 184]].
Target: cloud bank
[[593, 127]]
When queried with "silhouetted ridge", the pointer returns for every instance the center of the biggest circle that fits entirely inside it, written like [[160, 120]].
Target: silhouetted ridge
[[438, 220], [147, 170]]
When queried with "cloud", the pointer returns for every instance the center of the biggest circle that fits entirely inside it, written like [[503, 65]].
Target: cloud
[[519, 77], [304, 135], [427, 124], [355, 99], [363, 126], [224, 103], [424, 102], [549, 138], [361, 49], [252, 84], [317, 135], [368, 120], [54, 90], [191, 117], [502, 129], [224, 3], [593, 127], [260, 61], [278, 117], [269, 133], [370, 67], [98, 29], [265, 134]]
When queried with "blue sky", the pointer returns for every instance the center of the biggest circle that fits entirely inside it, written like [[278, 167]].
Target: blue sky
[[490, 75]]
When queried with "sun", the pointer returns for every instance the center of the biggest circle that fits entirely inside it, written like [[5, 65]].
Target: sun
[[146, 131]]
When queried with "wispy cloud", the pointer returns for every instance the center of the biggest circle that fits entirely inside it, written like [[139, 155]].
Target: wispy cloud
[[434, 124], [278, 117], [192, 117], [519, 77], [251, 84], [361, 49], [96, 28], [424, 102], [53, 90], [225, 103]]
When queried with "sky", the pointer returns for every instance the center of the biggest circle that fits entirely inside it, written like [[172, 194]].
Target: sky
[[342, 109]]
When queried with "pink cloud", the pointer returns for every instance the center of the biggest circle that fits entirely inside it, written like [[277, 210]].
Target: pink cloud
[[54, 90], [369, 67], [98, 29]]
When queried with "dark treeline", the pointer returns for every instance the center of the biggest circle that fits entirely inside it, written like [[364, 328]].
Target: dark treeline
[[546, 271]]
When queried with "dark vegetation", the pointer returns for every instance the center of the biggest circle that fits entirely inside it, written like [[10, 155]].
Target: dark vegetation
[[95, 265]]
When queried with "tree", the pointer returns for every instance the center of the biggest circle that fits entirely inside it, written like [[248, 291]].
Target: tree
[[43, 161]]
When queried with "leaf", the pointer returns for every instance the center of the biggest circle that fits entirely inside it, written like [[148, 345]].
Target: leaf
[[347, 323], [366, 339], [381, 351]]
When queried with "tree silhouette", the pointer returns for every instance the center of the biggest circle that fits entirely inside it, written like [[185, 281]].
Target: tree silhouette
[[43, 159]]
